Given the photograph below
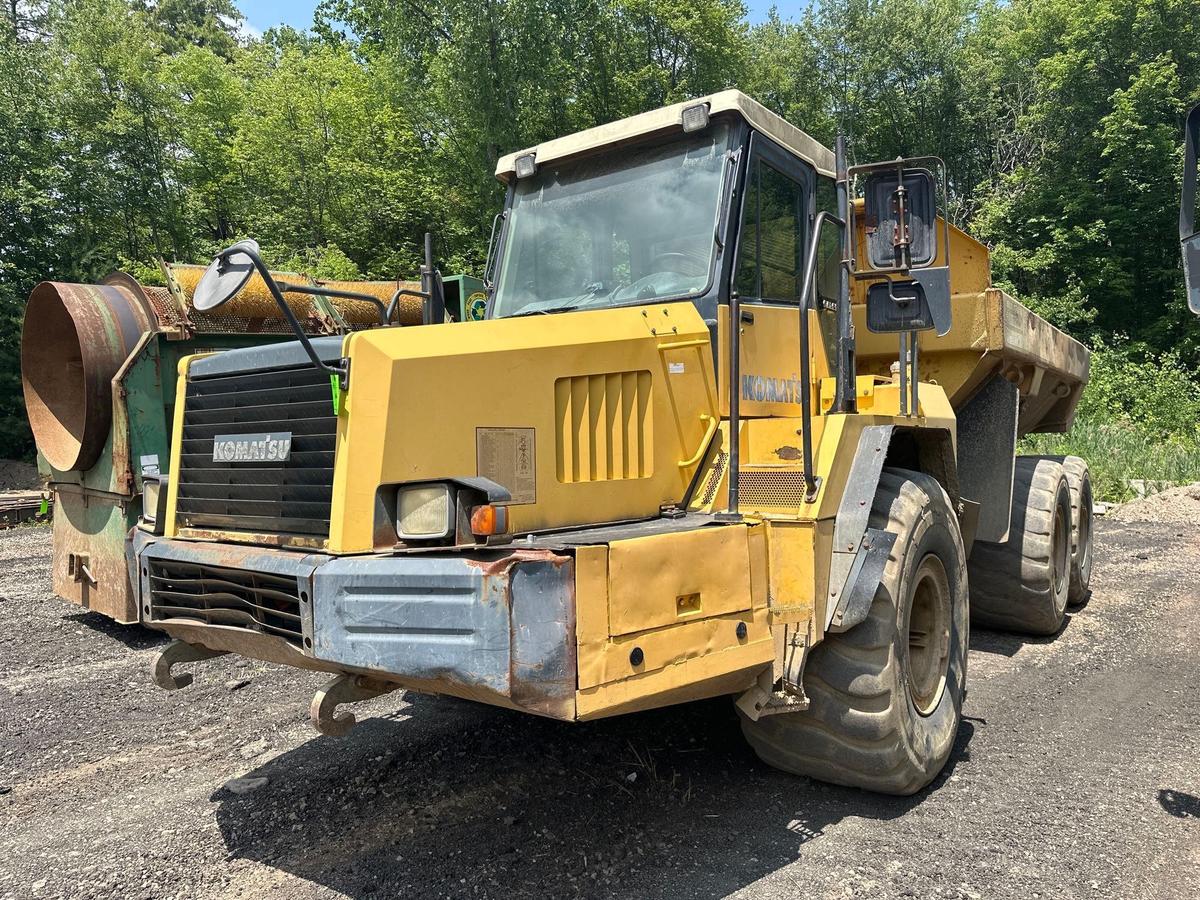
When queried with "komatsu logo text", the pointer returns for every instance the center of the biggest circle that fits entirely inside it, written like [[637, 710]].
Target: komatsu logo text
[[232, 448], [771, 390]]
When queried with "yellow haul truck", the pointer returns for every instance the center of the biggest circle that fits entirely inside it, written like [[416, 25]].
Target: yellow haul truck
[[737, 421]]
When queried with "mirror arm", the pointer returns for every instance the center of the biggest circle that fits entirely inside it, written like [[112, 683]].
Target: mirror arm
[[320, 291], [342, 370]]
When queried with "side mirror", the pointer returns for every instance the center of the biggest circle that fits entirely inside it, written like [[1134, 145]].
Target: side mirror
[[1191, 271], [227, 274], [1189, 239], [901, 218], [898, 306]]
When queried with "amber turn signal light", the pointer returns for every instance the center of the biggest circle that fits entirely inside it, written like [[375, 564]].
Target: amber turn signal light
[[489, 520]]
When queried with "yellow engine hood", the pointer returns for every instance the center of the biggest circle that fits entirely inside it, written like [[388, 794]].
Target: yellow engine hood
[[584, 417]]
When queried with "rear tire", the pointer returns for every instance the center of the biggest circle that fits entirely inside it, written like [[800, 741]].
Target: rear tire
[[886, 696], [1022, 585], [1079, 481]]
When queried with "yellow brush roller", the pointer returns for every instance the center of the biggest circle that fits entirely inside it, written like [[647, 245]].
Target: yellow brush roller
[[254, 301], [409, 309]]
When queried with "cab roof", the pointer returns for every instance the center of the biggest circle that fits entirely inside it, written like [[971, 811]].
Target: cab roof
[[670, 118]]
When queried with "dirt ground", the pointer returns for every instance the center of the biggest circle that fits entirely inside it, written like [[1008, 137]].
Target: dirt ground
[[1076, 772]]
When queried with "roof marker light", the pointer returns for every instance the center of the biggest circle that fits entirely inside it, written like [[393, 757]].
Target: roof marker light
[[526, 165], [695, 117]]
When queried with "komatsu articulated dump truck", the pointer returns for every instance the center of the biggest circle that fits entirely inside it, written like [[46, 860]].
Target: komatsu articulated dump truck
[[738, 419]]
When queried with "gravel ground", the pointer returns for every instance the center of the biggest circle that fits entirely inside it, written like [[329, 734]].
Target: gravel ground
[[18, 475], [1075, 772]]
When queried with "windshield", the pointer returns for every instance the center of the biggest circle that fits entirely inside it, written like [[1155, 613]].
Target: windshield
[[634, 225]]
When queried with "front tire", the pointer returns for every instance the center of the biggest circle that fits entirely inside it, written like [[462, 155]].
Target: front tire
[[886, 696]]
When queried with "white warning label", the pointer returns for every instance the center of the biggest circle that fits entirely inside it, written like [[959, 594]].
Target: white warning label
[[506, 456]]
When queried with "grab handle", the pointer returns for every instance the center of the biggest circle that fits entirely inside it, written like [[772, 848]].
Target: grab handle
[[708, 436]]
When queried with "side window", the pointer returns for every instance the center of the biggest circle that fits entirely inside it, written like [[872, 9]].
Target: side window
[[830, 252], [772, 237], [829, 256]]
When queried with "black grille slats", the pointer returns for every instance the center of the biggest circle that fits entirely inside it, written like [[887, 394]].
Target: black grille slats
[[258, 601], [289, 497]]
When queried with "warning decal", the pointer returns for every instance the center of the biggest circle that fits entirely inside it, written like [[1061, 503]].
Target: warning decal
[[506, 456]]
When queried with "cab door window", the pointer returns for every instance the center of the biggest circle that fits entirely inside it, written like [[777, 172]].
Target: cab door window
[[771, 250]]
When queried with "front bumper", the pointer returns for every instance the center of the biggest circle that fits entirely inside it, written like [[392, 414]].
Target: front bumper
[[493, 627]]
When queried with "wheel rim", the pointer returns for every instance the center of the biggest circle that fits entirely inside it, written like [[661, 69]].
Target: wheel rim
[[928, 635], [1062, 548]]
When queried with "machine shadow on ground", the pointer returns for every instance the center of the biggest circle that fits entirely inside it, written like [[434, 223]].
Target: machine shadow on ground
[[135, 637], [448, 797], [1003, 643]]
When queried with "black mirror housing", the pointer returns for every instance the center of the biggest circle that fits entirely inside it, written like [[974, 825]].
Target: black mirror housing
[[881, 196], [1191, 271], [898, 306]]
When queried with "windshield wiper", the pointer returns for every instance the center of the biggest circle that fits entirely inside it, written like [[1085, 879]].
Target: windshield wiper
[[543, 312], [576, 303]]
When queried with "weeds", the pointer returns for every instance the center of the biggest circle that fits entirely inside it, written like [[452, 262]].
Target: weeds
[[1118, 452]]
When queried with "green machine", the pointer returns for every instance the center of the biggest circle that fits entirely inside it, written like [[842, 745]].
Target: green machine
[[98, 367], [466, 298]]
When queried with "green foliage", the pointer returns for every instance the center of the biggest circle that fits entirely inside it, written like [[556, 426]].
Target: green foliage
[[136, 130], [324, 262], [1139, 418], [1134, 386], [1084, 205]]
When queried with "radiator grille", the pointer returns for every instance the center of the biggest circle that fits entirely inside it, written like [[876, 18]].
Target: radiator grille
[[289, 497], [603, 427], [213, 595]]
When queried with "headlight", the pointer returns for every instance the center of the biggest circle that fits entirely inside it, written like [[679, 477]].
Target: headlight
[[423, 512]]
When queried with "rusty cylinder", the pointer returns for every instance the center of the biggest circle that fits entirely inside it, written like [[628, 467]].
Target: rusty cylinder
[[74, 339]]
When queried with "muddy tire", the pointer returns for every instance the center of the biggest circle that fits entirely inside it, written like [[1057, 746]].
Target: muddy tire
[[1022, 585], [886, 696], [1079, 481]]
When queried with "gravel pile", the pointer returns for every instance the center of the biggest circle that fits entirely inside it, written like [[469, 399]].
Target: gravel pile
[[1179, 505], [18, 475]]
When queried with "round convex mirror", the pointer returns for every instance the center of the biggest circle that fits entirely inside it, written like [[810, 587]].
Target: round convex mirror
[[224, 277]]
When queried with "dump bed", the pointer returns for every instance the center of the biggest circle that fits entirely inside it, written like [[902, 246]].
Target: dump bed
[[992, 334]]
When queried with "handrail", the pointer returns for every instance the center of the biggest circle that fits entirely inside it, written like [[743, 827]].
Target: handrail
[[807, 289], [733, 513], [708, 436], [679, 345], [403, 292]]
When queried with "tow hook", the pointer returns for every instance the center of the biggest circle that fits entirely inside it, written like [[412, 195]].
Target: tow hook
[[173, 654], [343, 689]]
